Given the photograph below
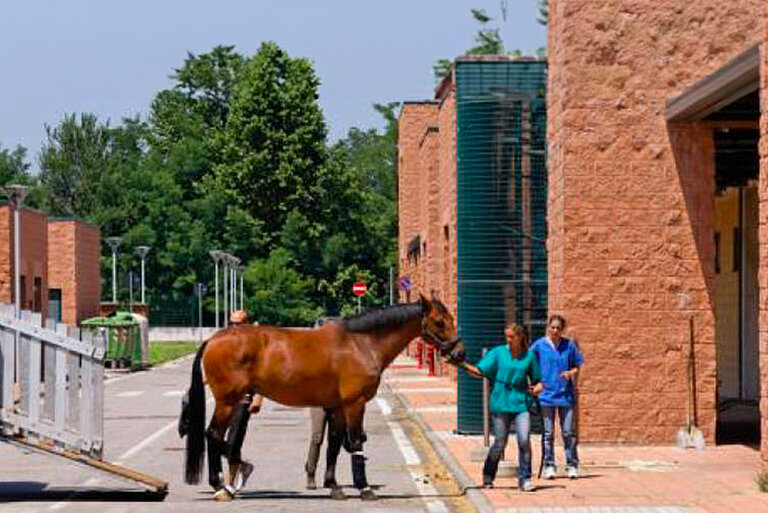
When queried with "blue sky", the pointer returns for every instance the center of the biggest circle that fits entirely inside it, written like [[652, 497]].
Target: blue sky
[[110, 57]]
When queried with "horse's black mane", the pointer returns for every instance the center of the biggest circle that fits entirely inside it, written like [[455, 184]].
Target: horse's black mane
[[385, 317]]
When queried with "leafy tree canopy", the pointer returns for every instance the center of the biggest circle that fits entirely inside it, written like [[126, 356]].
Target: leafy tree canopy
[[234, 157]]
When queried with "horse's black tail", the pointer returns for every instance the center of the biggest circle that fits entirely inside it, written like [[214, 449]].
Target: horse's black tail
[[195, 413]]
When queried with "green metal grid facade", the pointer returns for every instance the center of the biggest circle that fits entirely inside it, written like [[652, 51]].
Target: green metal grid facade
[[502, 197]]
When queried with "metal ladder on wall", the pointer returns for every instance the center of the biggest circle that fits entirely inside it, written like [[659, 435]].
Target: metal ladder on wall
[[52, 391]]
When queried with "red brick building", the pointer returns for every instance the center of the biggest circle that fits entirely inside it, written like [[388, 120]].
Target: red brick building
[[34, 259], [658, 158], [427, 199], [60, 265], [74, 252]]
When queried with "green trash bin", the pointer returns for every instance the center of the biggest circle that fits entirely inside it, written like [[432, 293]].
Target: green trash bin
[[123, 339]]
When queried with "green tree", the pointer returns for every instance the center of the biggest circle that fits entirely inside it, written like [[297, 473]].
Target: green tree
[[73, 165], [209, 80], [543, 8], [272, 151], [14, 168], [488, 40], [278, 293]]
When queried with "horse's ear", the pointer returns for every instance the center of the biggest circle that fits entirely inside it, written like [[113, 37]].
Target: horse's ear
[[424, 302], [435, 295]]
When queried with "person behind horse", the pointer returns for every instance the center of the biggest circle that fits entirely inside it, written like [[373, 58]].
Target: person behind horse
[[514, 372], [560, 361], [249, 405], [319, 421]]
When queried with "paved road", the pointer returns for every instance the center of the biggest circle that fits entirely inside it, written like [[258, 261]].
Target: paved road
[[140, 432]]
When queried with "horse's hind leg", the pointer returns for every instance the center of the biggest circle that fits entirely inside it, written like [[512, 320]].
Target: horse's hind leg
[[234, 443], [336, 432], [222, 416], [355, 440]]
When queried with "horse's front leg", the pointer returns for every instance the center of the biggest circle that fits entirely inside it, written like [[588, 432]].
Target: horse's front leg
[[355, 439], [336, 433]]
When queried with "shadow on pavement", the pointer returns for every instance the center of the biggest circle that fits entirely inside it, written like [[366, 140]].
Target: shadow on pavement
[[350, 491], [29, 491]]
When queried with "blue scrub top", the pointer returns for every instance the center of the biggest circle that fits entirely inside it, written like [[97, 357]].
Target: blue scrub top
[[553, 361]]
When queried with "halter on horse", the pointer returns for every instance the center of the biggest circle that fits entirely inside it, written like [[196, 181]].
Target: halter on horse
[[337, 367]]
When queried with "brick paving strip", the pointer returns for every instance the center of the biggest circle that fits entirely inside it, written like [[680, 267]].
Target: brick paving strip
[[603, 509], [615, 478]]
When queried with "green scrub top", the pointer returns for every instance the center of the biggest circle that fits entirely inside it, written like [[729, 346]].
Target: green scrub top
[[517, 372]]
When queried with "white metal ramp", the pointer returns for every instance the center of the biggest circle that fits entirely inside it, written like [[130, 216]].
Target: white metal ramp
[[52, 390]]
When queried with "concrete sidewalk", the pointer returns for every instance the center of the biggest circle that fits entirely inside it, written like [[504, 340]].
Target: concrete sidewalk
[[720, 479]]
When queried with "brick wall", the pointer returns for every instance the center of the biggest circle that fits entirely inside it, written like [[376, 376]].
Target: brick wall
[[415, 119], [34, 259], [763, 243], [88, 272], [427, 198], [6, 254], [445, 240], [631, 203], [74, 263], [62, 240]]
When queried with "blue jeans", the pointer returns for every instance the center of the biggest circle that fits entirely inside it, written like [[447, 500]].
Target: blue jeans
[[501, 424], [567, 417]]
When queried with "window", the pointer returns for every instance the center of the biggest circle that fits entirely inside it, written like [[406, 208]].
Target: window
[[717, 252], [54, 304], [37, 305], [23, 284]]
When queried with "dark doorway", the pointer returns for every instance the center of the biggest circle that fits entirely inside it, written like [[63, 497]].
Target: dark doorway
[[737, 161]]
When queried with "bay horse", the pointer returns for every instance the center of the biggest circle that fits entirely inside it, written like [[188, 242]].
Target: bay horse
[[337, 366]]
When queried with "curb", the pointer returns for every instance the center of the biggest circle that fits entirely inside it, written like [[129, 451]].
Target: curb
[[475, 496]]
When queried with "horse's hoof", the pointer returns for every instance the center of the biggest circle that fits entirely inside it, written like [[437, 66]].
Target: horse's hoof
[[368, 495], [338, 494], [311, 482], [330, 484], [224, 495]]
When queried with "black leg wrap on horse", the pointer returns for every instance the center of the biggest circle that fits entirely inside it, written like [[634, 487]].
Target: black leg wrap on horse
[[358, 471], [331, 455], [236, 433], [215, 448]]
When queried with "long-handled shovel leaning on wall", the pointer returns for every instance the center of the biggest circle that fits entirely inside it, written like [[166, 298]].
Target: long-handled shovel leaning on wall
[[690, 436]]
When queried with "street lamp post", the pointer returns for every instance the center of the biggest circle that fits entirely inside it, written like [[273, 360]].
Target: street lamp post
[[16, 195], [242, 300], [225, 274], [235, 266], [114, 243], [201, 290], [131, 277], [142, 252], [217, 256]]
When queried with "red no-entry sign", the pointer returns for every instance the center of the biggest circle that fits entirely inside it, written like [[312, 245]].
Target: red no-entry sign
[[359, 288]]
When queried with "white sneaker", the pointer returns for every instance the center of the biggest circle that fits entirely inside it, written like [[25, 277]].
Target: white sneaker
[[549, 472], [246, 469], [527, 486], [572, 472]]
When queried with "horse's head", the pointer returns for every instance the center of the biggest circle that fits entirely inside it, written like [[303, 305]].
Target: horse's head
[[439, 329]]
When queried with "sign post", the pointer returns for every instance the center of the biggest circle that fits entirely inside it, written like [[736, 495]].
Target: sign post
[[359, 288]]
